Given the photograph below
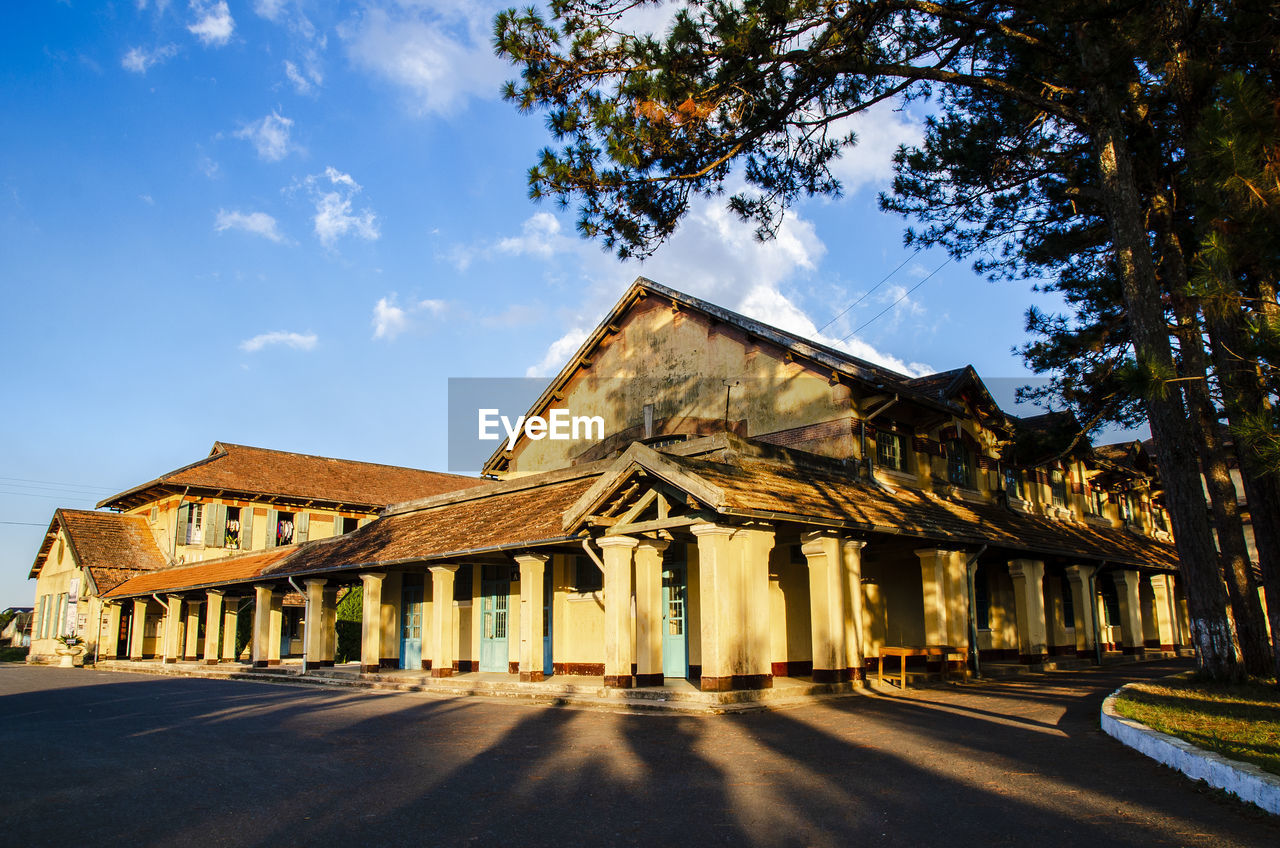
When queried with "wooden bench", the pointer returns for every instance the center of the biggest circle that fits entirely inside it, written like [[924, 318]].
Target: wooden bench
[[942, 652]]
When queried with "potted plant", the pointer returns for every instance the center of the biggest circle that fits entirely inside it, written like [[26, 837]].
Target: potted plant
[[70, 648]]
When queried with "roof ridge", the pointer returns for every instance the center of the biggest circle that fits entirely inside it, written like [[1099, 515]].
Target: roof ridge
[[339, 459]]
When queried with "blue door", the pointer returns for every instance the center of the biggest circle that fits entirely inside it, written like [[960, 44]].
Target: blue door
[[675, 639], [546, 628], [494, 593], [411, 627]]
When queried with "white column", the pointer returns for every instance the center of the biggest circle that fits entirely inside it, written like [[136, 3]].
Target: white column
[[138, 628], [826, 606], [533, 569], [230, 627], [648, 557], [1028, 594], [442, 620], [371, 623], [213, 624], [617, 610], [854, 650], [1127, 590], [1079, 576], [172, 618], [264, 598], [191, 651], [314, 641]]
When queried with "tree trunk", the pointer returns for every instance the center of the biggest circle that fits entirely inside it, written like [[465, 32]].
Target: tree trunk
[[1242, 589], [1175, 445], [1242, 393]]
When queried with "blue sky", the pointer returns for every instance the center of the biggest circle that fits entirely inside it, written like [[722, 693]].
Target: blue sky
[[288, 224]]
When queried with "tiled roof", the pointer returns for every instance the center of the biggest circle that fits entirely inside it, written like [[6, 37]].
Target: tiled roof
[[528, 515], [207, 574], [1045, 422], [738, 483], [759, 486], [259, 471], [112, 546], [937, 384]]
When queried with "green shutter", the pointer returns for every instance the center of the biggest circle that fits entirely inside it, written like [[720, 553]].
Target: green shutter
[[273, 518], [363, 521], [301, 526], [184, 518], [215, 523], [246, 528]]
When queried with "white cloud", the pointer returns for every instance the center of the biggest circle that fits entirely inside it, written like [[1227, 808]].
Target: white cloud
[[270, 136], [257, 223], [558, 353], [439, 53], [305, 80], [537, 238], [139, 59], [147, 199], [334, 217], [269, 9], [390, 319], [297, 341], [879, 132], [214, 24]]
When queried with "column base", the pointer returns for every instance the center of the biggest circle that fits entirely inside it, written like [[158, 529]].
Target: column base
[[211, 662], [389, 662], [1131, 649], [831, 675], [650, 679], [190, 659], [370, 669], [426, 665], [1032, 659], [513, 668], [261, 663], [736, 681], [442, 672], [618, 681], [533, 677], [171, 659]]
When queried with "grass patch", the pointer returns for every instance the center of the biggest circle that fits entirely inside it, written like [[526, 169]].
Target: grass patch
[[1240, 721]]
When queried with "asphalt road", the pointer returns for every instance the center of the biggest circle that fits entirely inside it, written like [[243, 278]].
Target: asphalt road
[[97, 758]]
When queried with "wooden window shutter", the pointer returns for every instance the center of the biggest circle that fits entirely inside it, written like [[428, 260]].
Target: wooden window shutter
[[246, 528], [301, 527], [215, 525], [363, 521], [184, 519], [273, 518]]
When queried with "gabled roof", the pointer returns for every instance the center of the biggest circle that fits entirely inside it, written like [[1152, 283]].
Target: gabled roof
[[511, 515], [111, 546], [260, 472], [820, 492], [820, 356], [202, 575]]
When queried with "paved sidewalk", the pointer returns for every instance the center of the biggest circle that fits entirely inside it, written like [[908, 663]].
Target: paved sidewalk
[[109, 758]]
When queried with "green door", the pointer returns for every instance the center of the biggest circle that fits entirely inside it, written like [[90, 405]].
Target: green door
[[675, 639], [495, 590]]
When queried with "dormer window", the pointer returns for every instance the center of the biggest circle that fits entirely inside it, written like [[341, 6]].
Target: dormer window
[[1099, 502], [1058, 487], [191, 524], [889, 451], [959, 464], [1013, 484]]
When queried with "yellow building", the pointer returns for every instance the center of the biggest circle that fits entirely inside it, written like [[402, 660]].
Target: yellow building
[[235, 500], [759, 506]]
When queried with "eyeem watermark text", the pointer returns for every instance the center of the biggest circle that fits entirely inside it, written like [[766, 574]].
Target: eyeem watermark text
[[560, 426]]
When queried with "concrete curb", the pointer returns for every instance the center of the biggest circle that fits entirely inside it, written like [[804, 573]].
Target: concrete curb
[[1244, 780]]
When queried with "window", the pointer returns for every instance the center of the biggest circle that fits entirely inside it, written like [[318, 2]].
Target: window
[[586, 576], [42, 610], [1058, 487], [959, 464], [1013, 483], [1100, 502], [889, 453], [231, 538], [191, 524], [1126, 507], [982, 598], [284, 528], [1157, 514], [349, 524]]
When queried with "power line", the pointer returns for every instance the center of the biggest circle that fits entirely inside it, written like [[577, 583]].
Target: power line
[[66, 496], [883, 280], [57, 483], [896, 302], [26, 523]]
